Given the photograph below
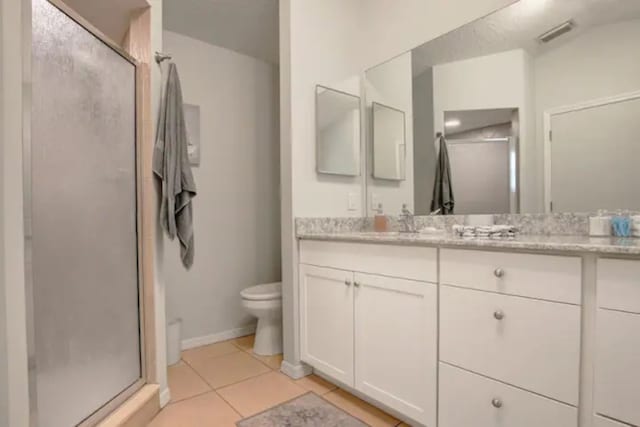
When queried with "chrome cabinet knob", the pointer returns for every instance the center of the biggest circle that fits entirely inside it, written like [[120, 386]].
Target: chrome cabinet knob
[[356, 284], [347, 282], [498, 314], [497, 403], [498, 272]]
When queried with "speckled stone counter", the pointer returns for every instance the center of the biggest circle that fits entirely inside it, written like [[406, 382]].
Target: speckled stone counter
[[550, 243]]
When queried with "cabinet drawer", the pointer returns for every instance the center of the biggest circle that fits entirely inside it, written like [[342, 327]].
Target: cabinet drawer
[[469, 400], [617, 393], [528, 343], [555, 278], [619, 284], [407, 262]]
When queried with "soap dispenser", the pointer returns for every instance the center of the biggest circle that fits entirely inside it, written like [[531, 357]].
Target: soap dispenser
[[380, 222]]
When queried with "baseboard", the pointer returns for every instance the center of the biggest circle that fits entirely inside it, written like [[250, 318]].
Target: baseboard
[[220, 336], [295, 371], [165, 397]]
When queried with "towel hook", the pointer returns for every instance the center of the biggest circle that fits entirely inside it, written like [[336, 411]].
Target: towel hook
[[160, 57]]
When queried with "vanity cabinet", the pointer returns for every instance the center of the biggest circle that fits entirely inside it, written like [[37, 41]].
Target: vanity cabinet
[[617, 373], [373, 332]]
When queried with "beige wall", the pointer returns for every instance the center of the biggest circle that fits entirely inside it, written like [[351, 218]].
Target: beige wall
[[12, 216]]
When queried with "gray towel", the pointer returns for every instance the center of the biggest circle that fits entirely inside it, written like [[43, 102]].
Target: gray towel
[[171, 165], [442, 188]]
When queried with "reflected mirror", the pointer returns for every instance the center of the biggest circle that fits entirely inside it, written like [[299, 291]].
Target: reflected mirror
[[388, 142], [538, 104], [337, 132]]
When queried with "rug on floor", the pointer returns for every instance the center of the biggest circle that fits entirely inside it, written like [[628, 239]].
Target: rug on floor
[[308, 410]]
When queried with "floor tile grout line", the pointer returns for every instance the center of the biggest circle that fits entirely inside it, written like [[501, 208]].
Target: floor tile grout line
[[184, 399], [214, 390], [236, 382]]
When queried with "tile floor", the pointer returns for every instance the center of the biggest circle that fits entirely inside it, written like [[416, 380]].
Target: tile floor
[[219, 384]]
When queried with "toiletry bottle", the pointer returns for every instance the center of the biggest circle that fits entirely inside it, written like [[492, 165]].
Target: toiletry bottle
[[380, 222], [600, 225]]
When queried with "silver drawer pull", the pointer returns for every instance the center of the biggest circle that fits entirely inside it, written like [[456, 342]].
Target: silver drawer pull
[[347, 282], [497, 403], [498, 272], [356, 284], [498, 314]]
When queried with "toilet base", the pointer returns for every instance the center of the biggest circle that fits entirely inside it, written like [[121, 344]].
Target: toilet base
[[268, 341]]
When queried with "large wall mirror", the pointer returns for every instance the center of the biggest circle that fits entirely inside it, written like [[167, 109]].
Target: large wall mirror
[[538, 104], [337, 132]]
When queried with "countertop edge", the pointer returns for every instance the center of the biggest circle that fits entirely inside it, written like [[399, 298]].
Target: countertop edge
[[607, 246]]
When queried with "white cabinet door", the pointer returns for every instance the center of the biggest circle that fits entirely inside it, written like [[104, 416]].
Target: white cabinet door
[[470, 400], [396, 344], [618, 366], [326, 321]]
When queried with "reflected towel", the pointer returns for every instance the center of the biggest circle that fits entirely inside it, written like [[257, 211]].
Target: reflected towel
[[171, 166], [442, 188]]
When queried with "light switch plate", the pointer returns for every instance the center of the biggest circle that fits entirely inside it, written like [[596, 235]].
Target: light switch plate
[[353, 202], [375, 201]]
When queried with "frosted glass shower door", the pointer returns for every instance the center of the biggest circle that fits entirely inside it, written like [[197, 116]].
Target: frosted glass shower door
[[84, 256]]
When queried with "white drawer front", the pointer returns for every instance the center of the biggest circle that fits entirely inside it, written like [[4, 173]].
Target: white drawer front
[[617, 392], [619, 284], [407, 262], [535, 345], [467, 400], [555, 278]]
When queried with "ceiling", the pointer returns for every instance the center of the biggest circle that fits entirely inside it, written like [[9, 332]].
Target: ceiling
[[110, 17], [518, 26], [477, 119], [246, 26]]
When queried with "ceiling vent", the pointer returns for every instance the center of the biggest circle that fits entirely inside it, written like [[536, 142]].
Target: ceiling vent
[[556, 32]]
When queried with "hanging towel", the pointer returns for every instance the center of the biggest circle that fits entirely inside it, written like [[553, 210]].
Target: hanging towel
[[443, 199], [171, 166]]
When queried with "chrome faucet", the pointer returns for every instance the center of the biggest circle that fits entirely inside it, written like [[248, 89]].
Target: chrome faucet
[[407, 220]]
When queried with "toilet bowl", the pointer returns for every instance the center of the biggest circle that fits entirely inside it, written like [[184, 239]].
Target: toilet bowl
[[265, 302]]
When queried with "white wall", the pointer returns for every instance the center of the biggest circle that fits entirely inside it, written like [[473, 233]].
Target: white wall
[[236, 211], [494, 81], [599, 63], [325, 41], [391, 84]]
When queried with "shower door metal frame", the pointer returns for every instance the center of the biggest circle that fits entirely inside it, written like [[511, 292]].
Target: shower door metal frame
[[145, 345]]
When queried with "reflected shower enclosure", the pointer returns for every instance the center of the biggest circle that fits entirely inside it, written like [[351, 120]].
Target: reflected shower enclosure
[[81, 222]]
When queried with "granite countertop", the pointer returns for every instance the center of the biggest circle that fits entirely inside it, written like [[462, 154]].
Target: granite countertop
[[556, 243]]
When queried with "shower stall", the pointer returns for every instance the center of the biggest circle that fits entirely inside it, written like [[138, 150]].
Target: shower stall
[[81, 222]]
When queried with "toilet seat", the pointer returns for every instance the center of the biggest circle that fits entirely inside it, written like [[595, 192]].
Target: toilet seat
[[264, 292]]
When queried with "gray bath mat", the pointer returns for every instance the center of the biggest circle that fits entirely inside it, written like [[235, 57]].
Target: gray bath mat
[[308, 410]]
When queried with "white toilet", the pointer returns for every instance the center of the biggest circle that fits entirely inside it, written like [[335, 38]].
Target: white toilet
[[265, 302]]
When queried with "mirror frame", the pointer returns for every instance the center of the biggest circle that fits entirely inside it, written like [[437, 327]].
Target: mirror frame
[[373, 141], [358, 169]]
